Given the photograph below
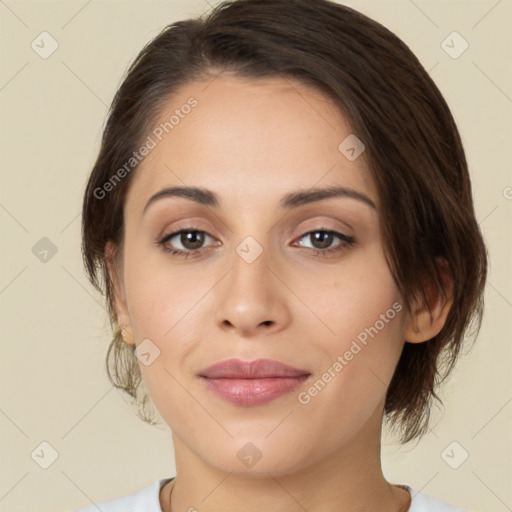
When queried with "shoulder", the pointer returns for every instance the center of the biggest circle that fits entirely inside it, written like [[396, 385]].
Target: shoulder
[[425, 503], [145, 500]]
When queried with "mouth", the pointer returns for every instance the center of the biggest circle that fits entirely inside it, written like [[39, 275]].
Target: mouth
[[249, 383]]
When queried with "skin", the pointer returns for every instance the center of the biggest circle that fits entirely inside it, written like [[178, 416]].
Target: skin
[[251, 142]]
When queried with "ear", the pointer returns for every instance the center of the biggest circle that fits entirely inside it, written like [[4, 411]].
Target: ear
[[427, 320], [122, 315]]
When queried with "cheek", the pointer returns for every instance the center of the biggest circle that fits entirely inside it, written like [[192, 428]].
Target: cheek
[[160, 297], [355, 299], [164, 305], [364, 313], [169, 305]]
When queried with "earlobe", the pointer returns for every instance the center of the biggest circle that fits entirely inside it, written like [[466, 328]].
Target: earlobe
[[122, 316], [126, 333], [428, 319]]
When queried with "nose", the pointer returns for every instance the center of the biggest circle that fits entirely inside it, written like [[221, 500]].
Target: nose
[[252, 298]]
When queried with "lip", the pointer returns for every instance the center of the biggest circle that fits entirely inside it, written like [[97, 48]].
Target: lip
[[248, 383], [257, 368]]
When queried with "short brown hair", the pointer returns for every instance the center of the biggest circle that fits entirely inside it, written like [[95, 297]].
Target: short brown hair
[[413, 149]]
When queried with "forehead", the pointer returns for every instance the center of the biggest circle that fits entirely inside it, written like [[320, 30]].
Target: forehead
[[249, 141]]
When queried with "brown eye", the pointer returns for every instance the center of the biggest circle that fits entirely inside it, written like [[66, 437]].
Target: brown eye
[[322, 239], [186, 241], [191, 239]]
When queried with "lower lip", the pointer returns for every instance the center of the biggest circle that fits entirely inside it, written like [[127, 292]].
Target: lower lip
[[253, 391]]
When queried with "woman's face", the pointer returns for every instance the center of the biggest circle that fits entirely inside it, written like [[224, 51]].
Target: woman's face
[[263, 277]]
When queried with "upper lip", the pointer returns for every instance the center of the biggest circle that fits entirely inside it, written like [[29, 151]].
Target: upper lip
[[258, 368]]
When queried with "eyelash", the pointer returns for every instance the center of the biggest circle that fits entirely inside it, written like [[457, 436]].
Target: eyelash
[[347, 242]]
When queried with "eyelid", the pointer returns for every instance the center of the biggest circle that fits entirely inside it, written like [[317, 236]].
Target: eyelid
[[324, 229], [325, 223], [171, 233], [192, 226], [346, 241]]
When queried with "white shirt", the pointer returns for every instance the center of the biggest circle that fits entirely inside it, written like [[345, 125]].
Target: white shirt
[[147, 500]]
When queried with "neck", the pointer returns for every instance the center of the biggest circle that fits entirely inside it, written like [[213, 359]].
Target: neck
[[348, 479]]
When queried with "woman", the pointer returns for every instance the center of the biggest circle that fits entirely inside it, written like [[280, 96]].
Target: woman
[[281, 213]]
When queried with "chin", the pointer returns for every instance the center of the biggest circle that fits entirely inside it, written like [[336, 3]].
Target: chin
[[256, 459]]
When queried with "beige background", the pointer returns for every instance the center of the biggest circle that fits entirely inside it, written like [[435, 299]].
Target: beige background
[[54, 330]]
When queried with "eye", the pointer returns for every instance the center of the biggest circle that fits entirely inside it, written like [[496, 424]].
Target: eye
[[322, 239], [191, 240]]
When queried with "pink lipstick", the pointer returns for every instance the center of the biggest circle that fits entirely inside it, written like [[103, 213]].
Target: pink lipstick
[[256, 382]]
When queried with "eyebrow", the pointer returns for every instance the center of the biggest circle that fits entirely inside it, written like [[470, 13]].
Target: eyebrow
[[292, 200]]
